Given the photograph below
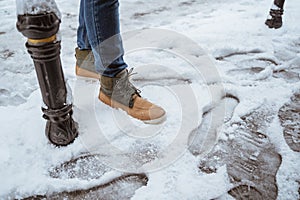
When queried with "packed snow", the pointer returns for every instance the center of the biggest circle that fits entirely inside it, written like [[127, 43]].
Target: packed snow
[[245, 53]]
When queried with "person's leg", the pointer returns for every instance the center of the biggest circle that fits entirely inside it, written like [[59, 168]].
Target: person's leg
[[82, 38], [41, 29], [102, 22], [85, 63], [274, 19], [103, 31]]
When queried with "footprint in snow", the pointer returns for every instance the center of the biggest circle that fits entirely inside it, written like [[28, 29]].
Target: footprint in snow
[[289, 115], [251, 159], [90, 167]]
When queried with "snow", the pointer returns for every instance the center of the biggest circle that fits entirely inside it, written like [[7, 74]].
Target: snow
[[221, 28], [36, 7]]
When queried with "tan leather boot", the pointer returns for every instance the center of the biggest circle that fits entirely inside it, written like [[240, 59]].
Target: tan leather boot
[[85, 64], [118, 92]]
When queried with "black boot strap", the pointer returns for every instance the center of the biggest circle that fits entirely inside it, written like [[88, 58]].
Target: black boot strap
[[276, 13], [58, 115]]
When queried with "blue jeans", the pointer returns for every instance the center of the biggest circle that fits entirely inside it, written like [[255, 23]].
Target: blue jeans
[[99, 30]]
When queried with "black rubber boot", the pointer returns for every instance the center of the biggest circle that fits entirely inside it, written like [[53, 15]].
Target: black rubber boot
[[279, 3], [60, 128], [275, 18], [44, 49]]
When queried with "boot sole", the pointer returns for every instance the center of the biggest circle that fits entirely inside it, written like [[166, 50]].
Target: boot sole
[[86, 73], [114, 104]]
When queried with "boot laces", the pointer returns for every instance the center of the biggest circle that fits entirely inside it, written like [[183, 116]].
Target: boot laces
[[126, 88], [125, 83]]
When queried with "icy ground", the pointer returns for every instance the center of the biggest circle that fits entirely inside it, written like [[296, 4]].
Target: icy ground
[[259, 67]]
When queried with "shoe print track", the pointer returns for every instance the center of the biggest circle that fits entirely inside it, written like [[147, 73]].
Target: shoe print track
[[252, 161], [90, 167], [123, 187], [289, 115], [206, 135]]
